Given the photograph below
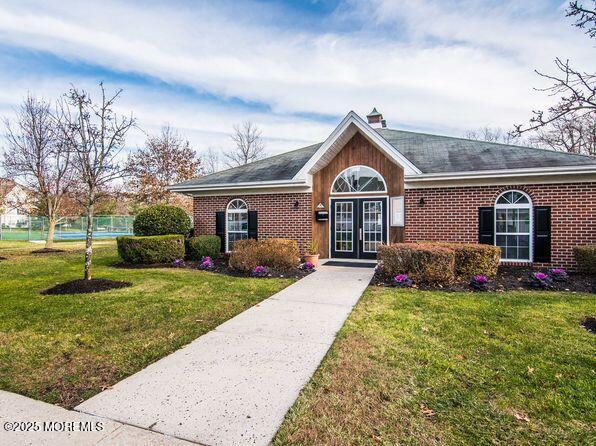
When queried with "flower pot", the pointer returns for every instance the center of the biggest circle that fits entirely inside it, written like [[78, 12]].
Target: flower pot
[[312, 258]]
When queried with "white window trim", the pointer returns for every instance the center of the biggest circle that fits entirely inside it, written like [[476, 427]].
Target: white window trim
[[359, 193], [530, 207], [235, 211]]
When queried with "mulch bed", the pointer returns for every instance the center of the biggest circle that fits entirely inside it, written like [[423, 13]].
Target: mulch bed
[[514, 278], [221, 266], [3, 258], [589, 323], [47, 251], [82, 286]]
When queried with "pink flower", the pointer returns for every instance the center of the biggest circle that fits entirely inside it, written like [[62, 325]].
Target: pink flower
[[540, 276]]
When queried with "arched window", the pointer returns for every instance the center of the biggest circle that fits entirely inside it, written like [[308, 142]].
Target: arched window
[[236, 222], [358, 179], [513, 225]]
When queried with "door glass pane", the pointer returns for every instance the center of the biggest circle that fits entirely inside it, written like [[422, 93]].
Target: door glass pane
[[372, 225], [344, 230]]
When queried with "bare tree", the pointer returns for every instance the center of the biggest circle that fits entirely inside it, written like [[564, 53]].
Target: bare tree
[[166, 159], [585, 17], [98, 138], [491, 134], [574, 89], [38, 155], [249, 145], [211, 161], [569, 134]]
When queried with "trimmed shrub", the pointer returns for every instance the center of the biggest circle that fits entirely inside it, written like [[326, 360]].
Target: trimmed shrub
[[203, 246], [276, 253], [162, 219], [585, 256], [151, 249], [472, 259], [429, 264]]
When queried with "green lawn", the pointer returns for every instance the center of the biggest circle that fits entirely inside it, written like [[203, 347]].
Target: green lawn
[[427, 368], [63, 349]]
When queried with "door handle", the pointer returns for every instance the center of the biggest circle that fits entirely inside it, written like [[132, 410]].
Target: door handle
[[360, 231]]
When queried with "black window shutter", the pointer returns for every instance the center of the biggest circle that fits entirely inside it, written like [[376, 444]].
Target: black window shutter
[[486, 225], [253, 225], [542, 237], [220, 228]]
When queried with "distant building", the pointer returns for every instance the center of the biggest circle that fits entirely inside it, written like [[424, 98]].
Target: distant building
[[14, 210]]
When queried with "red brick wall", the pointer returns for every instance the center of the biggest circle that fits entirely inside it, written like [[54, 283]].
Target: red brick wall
[[278, 216], [451, 214]]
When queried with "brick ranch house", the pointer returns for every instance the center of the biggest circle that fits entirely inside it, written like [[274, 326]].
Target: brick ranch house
[[367, 184]]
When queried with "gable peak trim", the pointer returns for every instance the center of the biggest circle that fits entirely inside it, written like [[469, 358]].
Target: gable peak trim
[[347, 128]]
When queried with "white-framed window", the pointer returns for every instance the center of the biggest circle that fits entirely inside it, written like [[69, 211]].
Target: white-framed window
[[358, 179], [513, 226], [236, 222]]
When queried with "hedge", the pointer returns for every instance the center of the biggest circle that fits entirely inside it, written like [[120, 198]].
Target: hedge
[[203, 246], [162, 219], [151, 249], [439, 263], [585, 256], [430, 264], [472, 259], [277, 253]]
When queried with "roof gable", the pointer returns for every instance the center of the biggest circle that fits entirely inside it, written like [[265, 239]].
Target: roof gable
[[346, 129]]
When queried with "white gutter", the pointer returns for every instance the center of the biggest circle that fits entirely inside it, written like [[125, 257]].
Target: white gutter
[[232, 186], [502, 173]]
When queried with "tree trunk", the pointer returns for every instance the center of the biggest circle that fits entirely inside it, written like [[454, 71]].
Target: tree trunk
[[89, 242], [51, 230]]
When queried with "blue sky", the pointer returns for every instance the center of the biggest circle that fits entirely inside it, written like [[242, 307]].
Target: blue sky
[[295, 68]]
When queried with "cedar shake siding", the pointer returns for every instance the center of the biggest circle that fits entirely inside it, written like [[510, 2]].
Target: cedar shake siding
[[451, 214], [278, 215]]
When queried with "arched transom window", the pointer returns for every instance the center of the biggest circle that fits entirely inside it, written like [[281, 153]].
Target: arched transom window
[[359, 179], [236, 222], [513, 225]]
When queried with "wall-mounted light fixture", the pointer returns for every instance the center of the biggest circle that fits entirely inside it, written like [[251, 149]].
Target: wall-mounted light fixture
[[296, 204], [421, 201]]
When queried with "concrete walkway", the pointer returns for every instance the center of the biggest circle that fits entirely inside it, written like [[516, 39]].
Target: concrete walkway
[[24, 421], [234, 385]]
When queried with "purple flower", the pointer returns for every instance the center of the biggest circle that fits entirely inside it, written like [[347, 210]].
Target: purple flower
[[480, 278], [206, 263], [309, 266], [402, 280], [540, 280], [479, 282], [178, 263], [558, 274], [260, 271]]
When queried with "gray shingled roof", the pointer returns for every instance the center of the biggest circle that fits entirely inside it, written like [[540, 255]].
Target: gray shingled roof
[[442, 154], [275, 168], [430, 153]]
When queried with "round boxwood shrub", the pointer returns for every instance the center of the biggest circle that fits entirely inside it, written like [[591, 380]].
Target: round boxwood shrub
[[162, 219], [203, 246], [151, 249]]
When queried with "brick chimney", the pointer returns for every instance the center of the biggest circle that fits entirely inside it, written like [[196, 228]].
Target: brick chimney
[[375, 119]]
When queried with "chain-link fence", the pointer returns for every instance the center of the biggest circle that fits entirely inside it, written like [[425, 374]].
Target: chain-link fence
[[23, 227]]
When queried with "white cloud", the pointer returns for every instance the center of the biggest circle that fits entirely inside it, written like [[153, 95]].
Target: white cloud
[[431, 65]]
